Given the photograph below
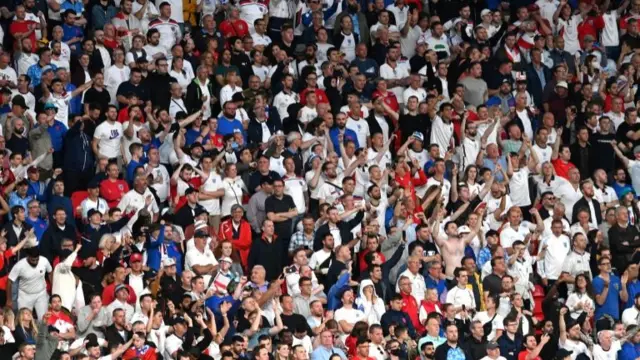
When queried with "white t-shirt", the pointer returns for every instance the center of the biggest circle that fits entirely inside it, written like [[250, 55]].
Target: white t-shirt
[[31, 279], [213, 183], [296, 187], [496, 324], [9, 74], [232, 194], [62, 103], [609, 35], [441, 134], [171, 345], [611, 354], [318, 257], [109, 136], [162, 188], [509, 235], [557, 250], [351, 316], [400, 72], [519, 186], [446, 188]]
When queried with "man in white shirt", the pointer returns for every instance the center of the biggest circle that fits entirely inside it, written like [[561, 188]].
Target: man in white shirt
[[30, 273], [347, 315], [607, 347], [169, 28], [415, 89], [557, 246], [397, 76], [460, 296], [106, 138], [200, 259], [442, 129], [418, 285], [285, 97], [631, 316]]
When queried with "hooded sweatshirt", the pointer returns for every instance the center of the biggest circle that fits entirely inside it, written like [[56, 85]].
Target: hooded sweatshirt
[[373, 311]]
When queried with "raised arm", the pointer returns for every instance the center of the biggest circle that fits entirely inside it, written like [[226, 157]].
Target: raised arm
[[556, 145], [619, 154]]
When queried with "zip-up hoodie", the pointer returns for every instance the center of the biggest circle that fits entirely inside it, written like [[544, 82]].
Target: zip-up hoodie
[[372, 311]]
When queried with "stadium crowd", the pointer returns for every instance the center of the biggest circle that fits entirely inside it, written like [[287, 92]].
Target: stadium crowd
[[319, 180]]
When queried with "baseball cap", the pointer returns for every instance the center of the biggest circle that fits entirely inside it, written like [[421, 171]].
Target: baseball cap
[[135, 257], [485, 12], [200, 234], [120, 287], [418, 135], [493, 101], [18, 100], [46, 68], [225, 258], [464, 229], [168, 262], [492, 345], [562, 84], [50, 106]]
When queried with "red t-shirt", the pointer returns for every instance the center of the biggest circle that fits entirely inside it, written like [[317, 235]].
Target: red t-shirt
[[22, 27], [592, 25], [123, 115], [320, 95], [562, 168], [4, 259], [523, 355], [108, 295], [391, 100], [230, 28], [195, 183], [113, 191]]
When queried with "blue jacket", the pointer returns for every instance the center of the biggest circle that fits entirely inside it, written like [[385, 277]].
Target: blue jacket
[[173, 251], [348, 134], [333, 296], [78, 155], [153, 250]]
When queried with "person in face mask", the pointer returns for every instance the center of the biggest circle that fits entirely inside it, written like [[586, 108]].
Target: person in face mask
[[64, 282]]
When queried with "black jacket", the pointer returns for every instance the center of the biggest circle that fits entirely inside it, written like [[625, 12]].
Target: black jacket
[[374, 127], [112, 335], [12, 238], [52, 240], [193, 100], [254, 132], [582, 203], [184, 216], [269, 255], [534, 86], [443, 350], [158, 87], [345, 231]]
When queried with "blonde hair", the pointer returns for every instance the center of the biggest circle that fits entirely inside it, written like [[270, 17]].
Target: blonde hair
[[34, 328]]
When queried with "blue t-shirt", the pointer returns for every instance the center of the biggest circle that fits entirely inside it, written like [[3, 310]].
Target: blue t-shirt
[[633, 288], [611, 306]]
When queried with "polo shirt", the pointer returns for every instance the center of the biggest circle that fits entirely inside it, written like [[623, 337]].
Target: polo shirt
[[275, 205], [32, 279]]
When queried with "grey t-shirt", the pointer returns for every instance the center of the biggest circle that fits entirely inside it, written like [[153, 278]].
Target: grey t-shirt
[[474, 90]]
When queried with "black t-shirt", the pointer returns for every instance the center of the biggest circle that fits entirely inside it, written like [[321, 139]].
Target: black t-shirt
[[623, 129], [273, 204], [127, 87], [462, 219], [411, 123], [99, 97], [296, 321], [601, 145], [18, 145], [493, 284]]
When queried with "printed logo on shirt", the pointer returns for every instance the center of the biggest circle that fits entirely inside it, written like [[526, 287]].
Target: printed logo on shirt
[[114, 134]]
